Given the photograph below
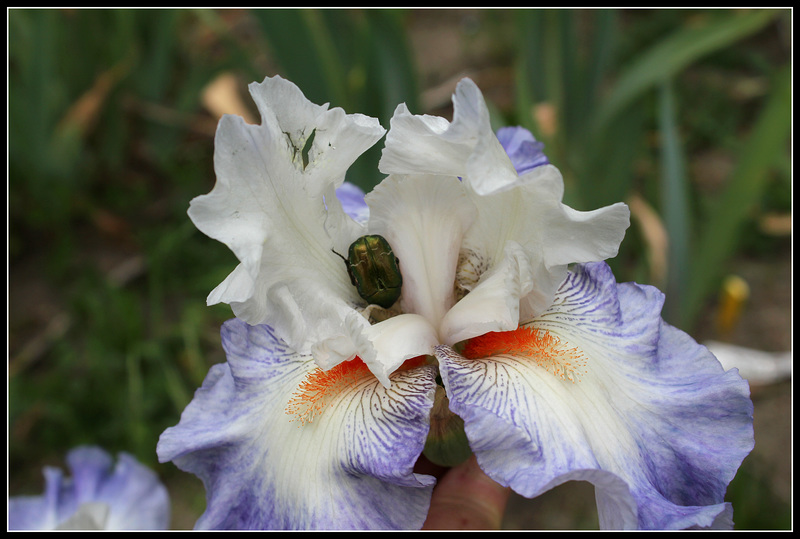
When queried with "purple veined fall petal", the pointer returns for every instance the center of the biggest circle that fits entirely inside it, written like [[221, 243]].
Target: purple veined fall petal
[[281, 444], [599, 388]]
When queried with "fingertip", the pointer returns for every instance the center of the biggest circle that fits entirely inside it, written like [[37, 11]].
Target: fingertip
[[467, 499]]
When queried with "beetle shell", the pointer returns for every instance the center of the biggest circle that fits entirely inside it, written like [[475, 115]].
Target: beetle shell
[[374, 270]]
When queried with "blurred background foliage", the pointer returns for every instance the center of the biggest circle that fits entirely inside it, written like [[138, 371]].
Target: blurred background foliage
[[684, 114]]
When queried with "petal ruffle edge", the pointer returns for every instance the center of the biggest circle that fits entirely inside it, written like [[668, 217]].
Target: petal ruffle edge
[[270, 460], [644, 402], [466, 148]]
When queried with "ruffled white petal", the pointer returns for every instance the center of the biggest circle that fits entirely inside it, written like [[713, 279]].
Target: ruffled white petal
[[523, 209], [383, 346], [279, 445], [619, 391], [424, 219], [274, 205], [338, 138], [466, 148], [551, 234]]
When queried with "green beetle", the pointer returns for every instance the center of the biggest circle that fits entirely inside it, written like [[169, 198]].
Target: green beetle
[[374, 270]]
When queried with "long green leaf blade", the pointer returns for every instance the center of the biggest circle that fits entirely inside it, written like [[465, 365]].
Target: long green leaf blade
[[674, 53], [675, 209], [766, 143]]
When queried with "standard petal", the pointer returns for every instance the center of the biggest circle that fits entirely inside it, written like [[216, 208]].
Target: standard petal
[[322, 142], [600, 382], [290, 118], [551, 234], [424, 219], [493, 304], [274, 205], [280, 444], [466, 148], [518, 195]]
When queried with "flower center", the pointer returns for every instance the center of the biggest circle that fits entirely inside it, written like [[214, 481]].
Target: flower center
[[546, 350], [320, 388]]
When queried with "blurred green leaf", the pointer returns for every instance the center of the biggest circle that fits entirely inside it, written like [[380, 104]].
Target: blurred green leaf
[[333, 69], [765, 145], [563, 71], [392, 74], [571, 74], [601, 51], [674, 53], [301, 43], [137, 429], [389, 78], [37, 100], [675, 210]]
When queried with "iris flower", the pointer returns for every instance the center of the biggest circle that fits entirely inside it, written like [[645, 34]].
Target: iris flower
[[100, 495], [324, 404]]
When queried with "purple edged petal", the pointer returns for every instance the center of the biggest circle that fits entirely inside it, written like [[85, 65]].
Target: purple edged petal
[[270, 459], [618, 391], [522, 147], [125, 496]]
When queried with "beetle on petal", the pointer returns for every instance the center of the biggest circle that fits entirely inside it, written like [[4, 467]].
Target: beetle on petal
[[374, 270]]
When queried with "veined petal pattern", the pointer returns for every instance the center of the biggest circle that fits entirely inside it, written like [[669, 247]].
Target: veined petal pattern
[[280, 444], [602, 383]]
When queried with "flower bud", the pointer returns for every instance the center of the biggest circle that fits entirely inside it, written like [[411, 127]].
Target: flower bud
[[447, 443]]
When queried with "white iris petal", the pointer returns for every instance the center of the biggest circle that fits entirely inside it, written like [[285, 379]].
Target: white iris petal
[[424, 219], [382, 346], [516, 250], [467, 147], [493, 305], [454, 191], [599, 383], [281, 445], [551, 234], [275, 206]]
